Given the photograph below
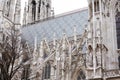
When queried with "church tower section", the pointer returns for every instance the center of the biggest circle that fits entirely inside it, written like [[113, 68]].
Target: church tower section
[[96, 41], [37, 10], [103, 38], [10, 11]]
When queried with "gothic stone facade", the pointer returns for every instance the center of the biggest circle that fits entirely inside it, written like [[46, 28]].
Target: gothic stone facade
[[10, 13], [9, 17], [66, 59], [94, 55]]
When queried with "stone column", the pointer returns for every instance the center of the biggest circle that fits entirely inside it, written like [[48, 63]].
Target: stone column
[[57, 63], [70, 66], [94, 40], [37, 5]]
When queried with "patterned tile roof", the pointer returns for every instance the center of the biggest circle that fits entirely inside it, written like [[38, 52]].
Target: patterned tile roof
[[57, 25]]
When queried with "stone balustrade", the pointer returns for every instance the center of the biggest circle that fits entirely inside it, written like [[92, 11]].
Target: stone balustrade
[[112, 73]]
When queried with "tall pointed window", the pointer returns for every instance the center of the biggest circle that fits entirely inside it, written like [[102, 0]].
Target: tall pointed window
[[96, 5], [118, 29], [33, 9], [47, 71]]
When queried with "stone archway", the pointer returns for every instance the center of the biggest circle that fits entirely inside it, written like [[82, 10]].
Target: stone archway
[[79, 74]]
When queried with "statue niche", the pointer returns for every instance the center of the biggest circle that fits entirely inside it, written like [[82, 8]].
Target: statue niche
[[33, 9], [7, 8], [89, 57], [39, 9]]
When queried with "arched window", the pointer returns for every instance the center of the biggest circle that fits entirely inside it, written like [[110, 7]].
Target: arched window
[[33, 9], [96, 5], [81, 75], [118, 29], [47, 71], [37, 75]]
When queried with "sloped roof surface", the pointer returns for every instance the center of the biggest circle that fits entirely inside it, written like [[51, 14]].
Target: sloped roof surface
[[57, 26]]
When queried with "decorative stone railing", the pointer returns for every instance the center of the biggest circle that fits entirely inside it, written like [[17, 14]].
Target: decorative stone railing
[[112, 73]]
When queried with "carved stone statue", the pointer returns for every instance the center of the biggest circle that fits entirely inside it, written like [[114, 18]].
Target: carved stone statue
[[98, 56], [89, 58]]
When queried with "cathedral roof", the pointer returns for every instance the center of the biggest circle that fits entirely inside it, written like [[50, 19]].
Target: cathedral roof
[[58, 25]]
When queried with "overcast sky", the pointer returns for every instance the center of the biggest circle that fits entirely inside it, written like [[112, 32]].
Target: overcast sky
[[61, 6]]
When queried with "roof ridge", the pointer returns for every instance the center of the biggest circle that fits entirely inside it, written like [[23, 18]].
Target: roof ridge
[[71, 12]]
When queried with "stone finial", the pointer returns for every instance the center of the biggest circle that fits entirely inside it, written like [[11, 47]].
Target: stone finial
[[63, 42], [75, 35], [54, 41], [41, 49]]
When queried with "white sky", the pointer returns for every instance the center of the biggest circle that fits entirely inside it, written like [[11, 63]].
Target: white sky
[[61, 6]]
